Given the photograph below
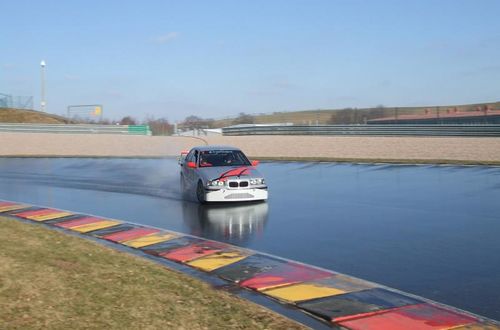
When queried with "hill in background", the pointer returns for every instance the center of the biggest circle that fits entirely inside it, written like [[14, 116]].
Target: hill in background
[[345, 116], [8, 115], [305, 117]]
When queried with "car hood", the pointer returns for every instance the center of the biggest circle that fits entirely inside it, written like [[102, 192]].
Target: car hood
[[212, 173]]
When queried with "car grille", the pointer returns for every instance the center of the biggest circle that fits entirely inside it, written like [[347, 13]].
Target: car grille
[[238, 184], [238, 196]]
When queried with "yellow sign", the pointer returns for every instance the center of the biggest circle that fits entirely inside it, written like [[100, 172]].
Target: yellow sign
[[97, 111]]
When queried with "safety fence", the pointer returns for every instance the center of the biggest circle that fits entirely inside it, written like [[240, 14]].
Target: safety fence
[[368, 130], [16, 102], [76, 129]]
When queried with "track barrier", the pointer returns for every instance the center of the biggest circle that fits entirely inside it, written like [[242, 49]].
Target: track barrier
[[366, 130], [76, 129]]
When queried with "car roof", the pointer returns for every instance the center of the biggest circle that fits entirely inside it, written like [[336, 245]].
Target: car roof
[[215, 147]]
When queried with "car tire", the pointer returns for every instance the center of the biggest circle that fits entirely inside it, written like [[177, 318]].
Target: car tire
[[182, 185], [200, 193]]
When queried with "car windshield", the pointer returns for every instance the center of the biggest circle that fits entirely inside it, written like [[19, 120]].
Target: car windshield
[[211, 158]]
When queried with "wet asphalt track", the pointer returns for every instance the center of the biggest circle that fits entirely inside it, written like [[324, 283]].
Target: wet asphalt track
[[429, 230]]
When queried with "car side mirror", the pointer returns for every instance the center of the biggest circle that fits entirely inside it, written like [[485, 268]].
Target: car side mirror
[[255, 162], [182, 157], [191, 164]]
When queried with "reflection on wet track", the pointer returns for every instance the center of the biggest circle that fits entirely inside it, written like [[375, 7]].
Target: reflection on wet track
[[429, 230], [235, 223]]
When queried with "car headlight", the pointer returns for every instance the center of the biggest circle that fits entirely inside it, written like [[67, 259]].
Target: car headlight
[[215, 183], [257, 181]]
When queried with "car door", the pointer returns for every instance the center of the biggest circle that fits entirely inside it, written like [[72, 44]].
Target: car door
[[190, 173]]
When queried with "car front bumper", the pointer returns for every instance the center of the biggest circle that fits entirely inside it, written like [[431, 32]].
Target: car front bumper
[[236, 195]]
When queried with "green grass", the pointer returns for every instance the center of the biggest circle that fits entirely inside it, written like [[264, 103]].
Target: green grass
[[52, 280]]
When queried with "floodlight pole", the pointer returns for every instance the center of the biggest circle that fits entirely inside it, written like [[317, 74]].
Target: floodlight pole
[[42, 73]]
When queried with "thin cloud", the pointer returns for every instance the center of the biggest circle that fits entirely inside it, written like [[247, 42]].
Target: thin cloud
[[165, 38]]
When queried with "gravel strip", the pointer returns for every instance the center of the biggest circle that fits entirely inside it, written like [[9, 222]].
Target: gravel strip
[[393, 149]]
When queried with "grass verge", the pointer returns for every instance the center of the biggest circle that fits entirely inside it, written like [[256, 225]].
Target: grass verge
[[57, 281]]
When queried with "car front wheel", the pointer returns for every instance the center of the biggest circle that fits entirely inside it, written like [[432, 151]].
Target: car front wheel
[[182, 184], [200, 193]]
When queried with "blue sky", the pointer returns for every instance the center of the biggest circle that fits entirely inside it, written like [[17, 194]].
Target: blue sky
[[218, 58]]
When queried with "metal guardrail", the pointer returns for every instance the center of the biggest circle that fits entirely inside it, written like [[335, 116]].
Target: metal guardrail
[[76, 129], [367, 130]]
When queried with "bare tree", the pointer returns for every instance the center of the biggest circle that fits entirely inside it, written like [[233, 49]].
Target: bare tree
[[128, 120], [193, 122], [160, 126], [243, 118]]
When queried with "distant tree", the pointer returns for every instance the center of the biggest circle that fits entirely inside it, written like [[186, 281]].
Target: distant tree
[[377, 112], [128, 120], [104, 121], [352, 116], [243, 118], [193, 122], [209, 122], [84, 120], [342, 117], [160, 126]]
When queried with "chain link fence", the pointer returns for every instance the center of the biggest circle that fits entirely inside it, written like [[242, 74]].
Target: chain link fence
[[16, 102]]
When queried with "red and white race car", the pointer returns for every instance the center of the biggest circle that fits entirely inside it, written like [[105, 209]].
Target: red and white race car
[[221, 174]]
